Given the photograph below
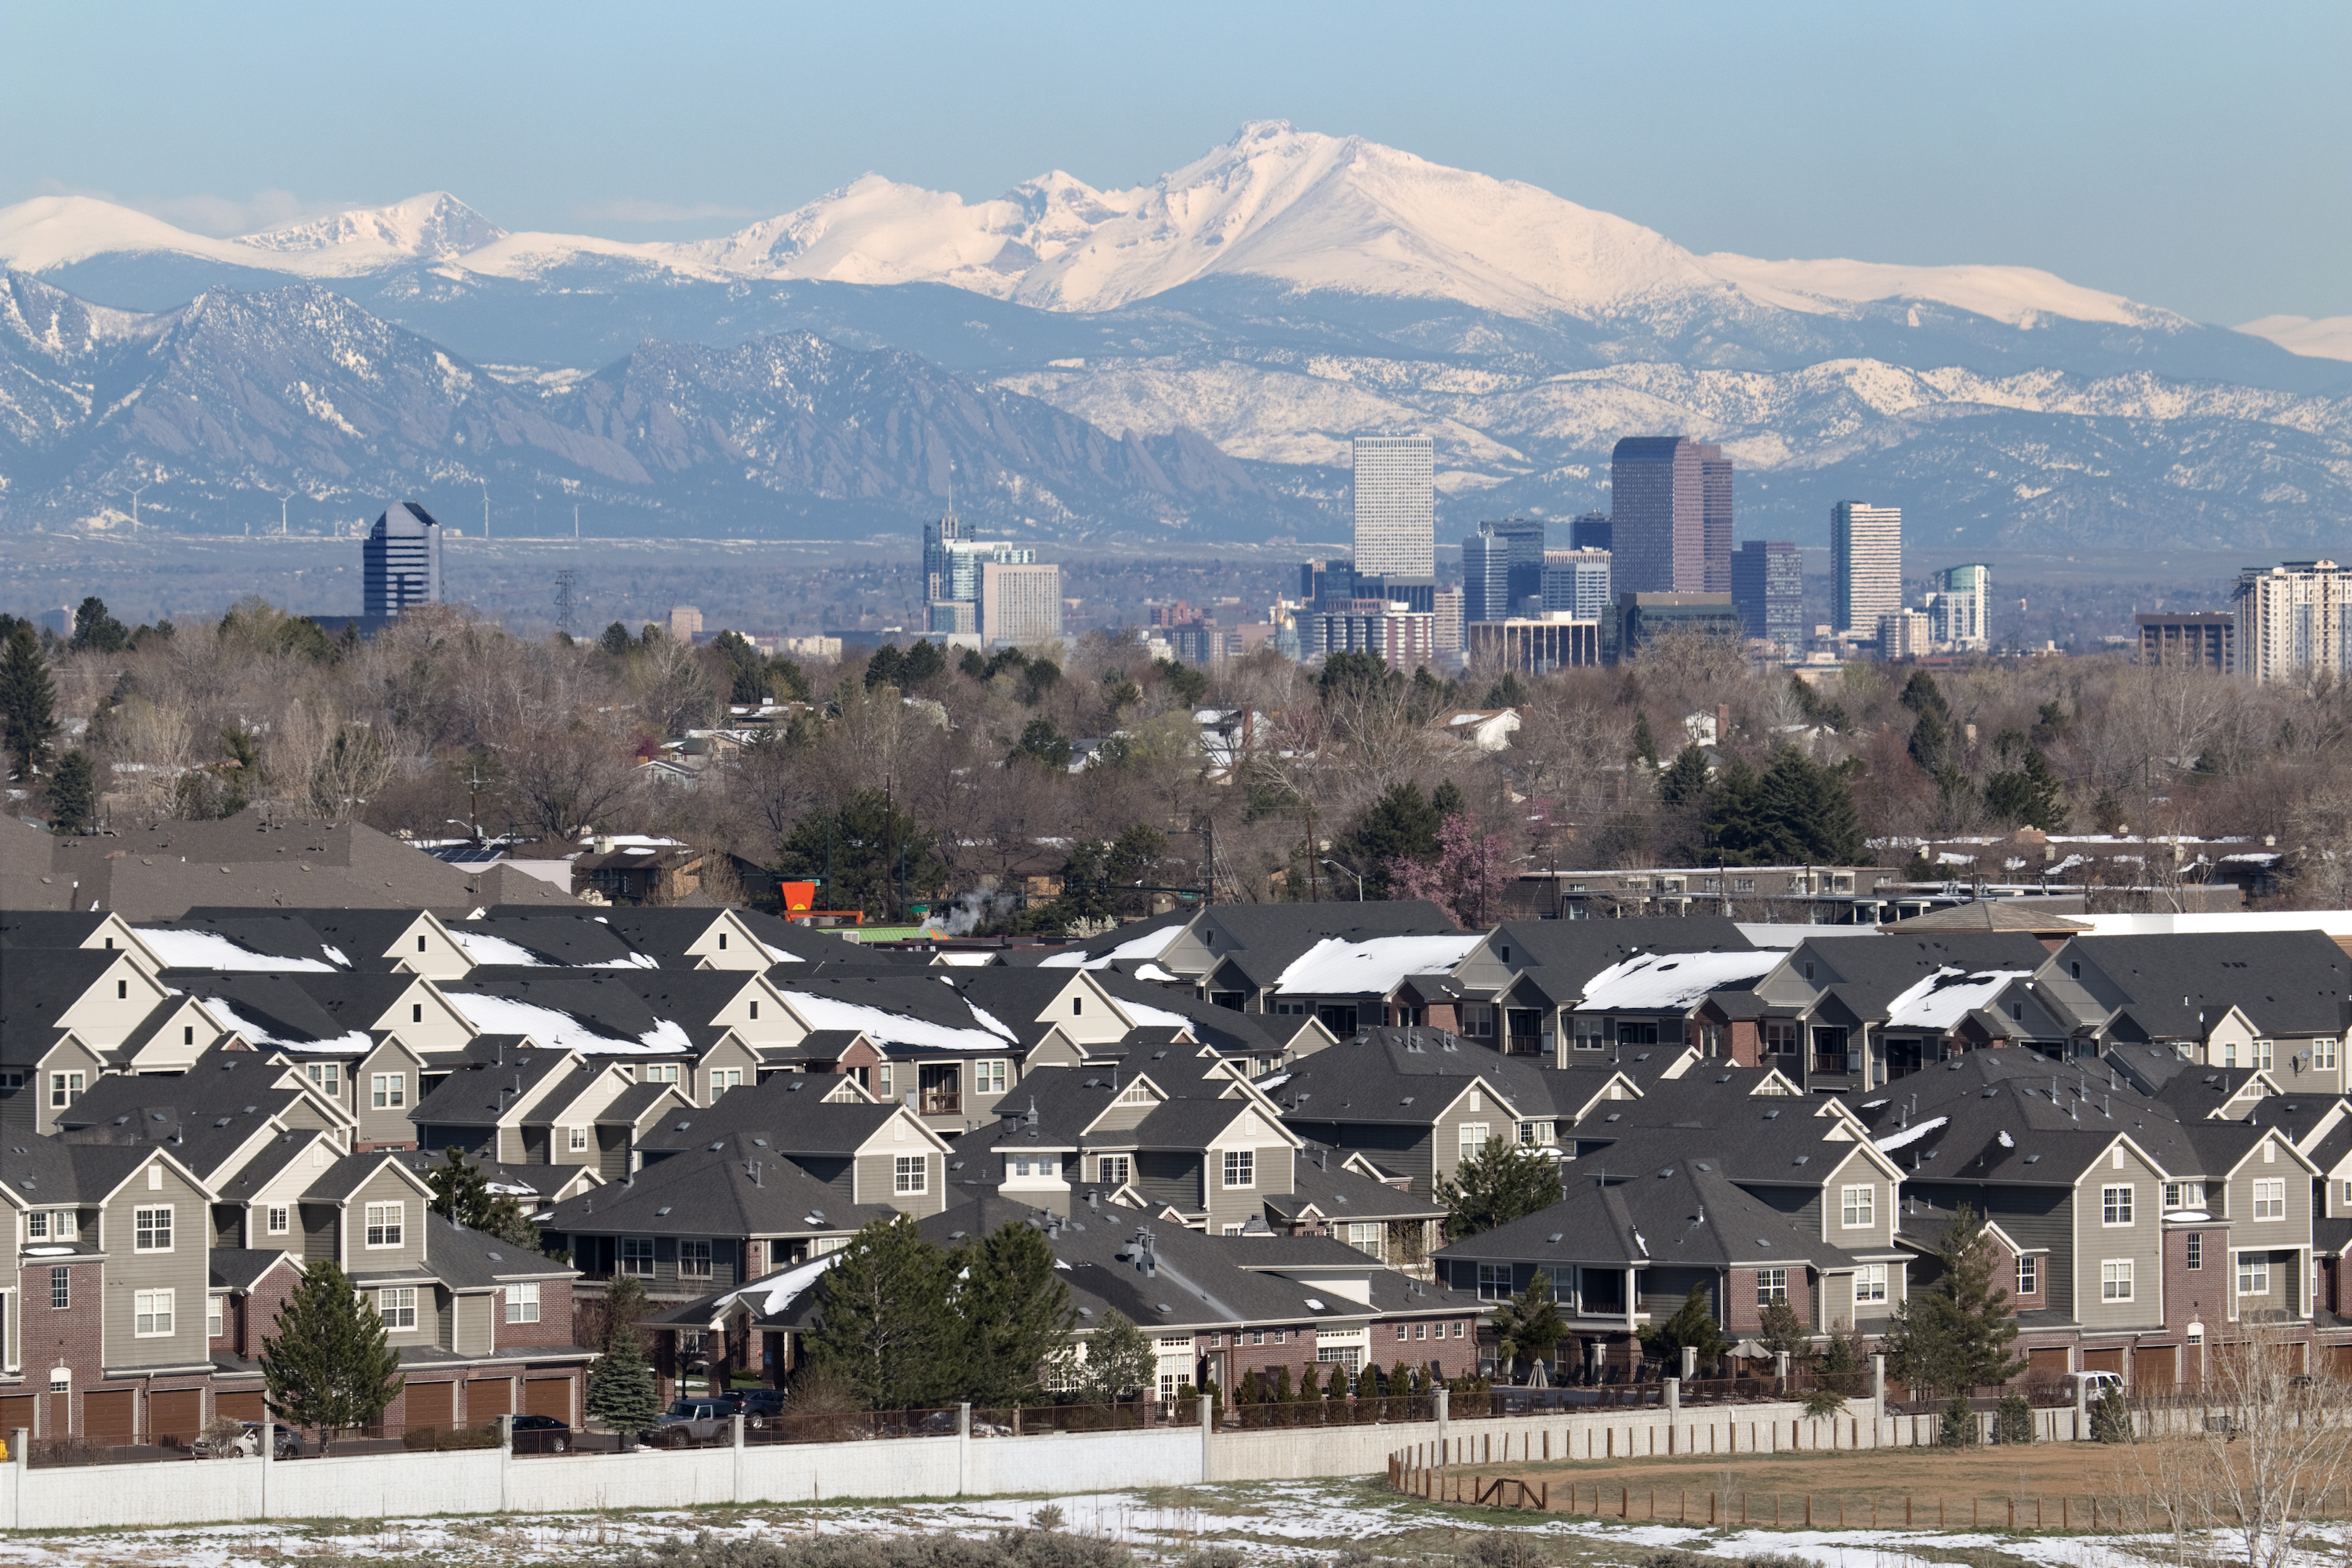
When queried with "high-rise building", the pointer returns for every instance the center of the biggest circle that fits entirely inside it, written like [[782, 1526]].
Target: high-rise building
[[2197, 639], [684, 622], [400, 564], [1320, 580], [1635, 619], [1445, 630], [1865, 564], [1767, 589], [952, 566], [1590, 531], [1020, 602], [2294, 621], [1658, 515], [1961, 609], [1532, 644], [1395, 505], [1715, 509], [938, 537], [1502, 567], [1903, 634], [1402, 638], [1576, 581]]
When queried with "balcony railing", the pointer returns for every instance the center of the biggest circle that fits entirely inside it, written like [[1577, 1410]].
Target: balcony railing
[[943, 1102]]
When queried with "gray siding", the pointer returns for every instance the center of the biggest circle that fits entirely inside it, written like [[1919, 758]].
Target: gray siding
[[2140, 1243], [322, 1225], [386, 1187], [475, 1334], [1167, 1177], [877, 1182], [184, 1271]]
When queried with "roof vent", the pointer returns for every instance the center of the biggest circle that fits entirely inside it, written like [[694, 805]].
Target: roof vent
[[1768, 1115], [1801, 1159], [661, 1211], [1553, 1238]]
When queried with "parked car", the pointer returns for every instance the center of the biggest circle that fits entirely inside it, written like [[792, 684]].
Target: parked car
[[541, 1434], [691, 1421], [247, 1443], [760, 1406]]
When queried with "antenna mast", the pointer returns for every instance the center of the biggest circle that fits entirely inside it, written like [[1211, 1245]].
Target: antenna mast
[[563, 581]]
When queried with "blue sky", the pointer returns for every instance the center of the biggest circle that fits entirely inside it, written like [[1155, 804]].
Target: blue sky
[[2194, 157]]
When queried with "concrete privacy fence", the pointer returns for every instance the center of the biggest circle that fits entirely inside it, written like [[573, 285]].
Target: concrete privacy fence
[[376, 1486]]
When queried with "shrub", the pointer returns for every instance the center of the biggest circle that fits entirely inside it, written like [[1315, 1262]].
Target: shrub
[[1958, 1429], [2012, 1422], [1674, 1557], [1006, 1549], [1824, 1402], [2111, 1419], [1505, 1549]]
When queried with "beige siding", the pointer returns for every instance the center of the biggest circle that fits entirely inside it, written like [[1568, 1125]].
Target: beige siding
[[426, 949], [2140, 1243], [116, 1003], [391, 1123], [729, 1055], [1446, 1135], [386, 1187], [425, 1021], [876, 1180], [473, 1331], [1857, 1170], [2271, 1238]]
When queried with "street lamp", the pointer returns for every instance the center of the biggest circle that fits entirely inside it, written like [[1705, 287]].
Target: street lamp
[[1358, 875]]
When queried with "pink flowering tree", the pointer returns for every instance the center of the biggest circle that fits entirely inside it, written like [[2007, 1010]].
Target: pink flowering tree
[[1467, 876]]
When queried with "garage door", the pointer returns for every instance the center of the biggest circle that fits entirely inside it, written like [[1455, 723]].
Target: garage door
[[548, 1396], [16, 1411], [2103, 1360], [429, 1405], [487, 1398], [175, 1413], [245, 1404], [2047, 1364], [2339, 1362], [2153, 1368], [106, 1418]]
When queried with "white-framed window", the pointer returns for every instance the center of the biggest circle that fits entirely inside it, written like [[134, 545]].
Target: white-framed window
[[1111, 1170], [2229, 1053], [2184, 1195], [216, 1318], [1370, 1238], [36, 1225], [1403, 1331], [387, 1091], [64, 1088], [2270, 1198], [1494, 1281], [1473, 1138], [152, 1311], [2192, 1254], [2323, 1052], [397, 1305], [661, 1072], [636, 1255], [2115, 1205], [1771, 1284], [988, 1076], [326, 1078], [1870, 1283], [882, 1080], [2253, 1276], [1858, 1207], [911, 1173], [576, 1139], [151, 1230], [387, 1224], [722, 1080], [277, 1219], [523, 1302], [60, 1289], [1241, 1167], [2029, 1275], [2115, 1279], [2264, 1052], [1538, 1134], [694, 1260]]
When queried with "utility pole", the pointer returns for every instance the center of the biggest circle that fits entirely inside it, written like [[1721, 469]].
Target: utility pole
[[486, 509], [563, 580], [575, 520]]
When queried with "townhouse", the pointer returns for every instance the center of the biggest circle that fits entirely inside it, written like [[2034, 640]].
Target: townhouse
[[1520, 982]]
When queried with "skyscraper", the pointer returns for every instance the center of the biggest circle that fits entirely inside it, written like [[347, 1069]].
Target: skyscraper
[[1865, 564], [1019, 601], [1576, 581], [2294, 621], [400, 562], [1395, 506], [1767, 589], [1590, 531], [1657, 514], [1502, 567], [1961, 607], [1714, 507]]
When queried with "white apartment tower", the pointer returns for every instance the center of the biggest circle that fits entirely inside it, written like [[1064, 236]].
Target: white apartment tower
[[1961, 607], [1020, 602], [1396, 515], [2294, 620], [1865, 564]]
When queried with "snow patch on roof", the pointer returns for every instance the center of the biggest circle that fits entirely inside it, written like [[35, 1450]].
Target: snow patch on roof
[[555, 1030], [1664, 981], [890, 1029], [210, 950], [1149, 1017], [1909, 1135], [336, 953], [355, 1043], [1945, 997], [484, 949], [776, 1292], [1337, 966]]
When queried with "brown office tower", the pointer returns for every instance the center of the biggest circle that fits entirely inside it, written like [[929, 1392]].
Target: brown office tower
[[1658, 516], [1714, 506]]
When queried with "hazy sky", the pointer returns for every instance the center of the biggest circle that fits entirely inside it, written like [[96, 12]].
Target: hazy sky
[[2196, 157]]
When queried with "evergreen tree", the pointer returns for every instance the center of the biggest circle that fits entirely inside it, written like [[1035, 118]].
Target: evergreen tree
[[1043, 745], [1692, 1327], [1353, 671], [1804, 813], [1956, 1334], [1529, 1324], [862, 847], [1120, 1359], [330, 1366], [2030, 795], [1780, 1329], [1016, 1313], [1400, 825], [886, 1328], [1931, 744], [1499, 1184], [28, 701], [1645, 742], [462, 1195], [1685, 782], [96, 630], [616, 640], [73, 794], [1735, 827], [621, 1395], [1922, 696]]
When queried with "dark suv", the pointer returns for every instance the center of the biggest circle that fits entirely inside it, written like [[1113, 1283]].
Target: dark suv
[[761, 1406]]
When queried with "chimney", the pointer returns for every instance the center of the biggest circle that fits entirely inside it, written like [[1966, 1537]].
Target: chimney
[[1723, 723]]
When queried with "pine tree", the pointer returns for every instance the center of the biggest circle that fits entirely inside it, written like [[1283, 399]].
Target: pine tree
[[1015, 1311], [621, 1393], [1692, 1327], [1685, 782], [330, 1366], [1120, 1359], [1956, 1334], [1496, 1186], [73, 794], [1645, 742], [2030, 795], [886, 1328], [1401, 824], [28, 701], [462, 1195], [1780, 1328], [1529, 1324], [96, 630]]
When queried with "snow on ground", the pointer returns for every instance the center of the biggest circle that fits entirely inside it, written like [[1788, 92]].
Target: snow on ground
[[1287, 1522]]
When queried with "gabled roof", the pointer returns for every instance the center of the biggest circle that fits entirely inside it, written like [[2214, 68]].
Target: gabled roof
[[524, 936], [739, 1189], [2014, 1116], [479, 1094], [919, 1011], [792, 1112], [1371, 967], [1404, 1077], [34, 995], [1989, 915], [1674, 982], [592, 1010], [467, 1260], [2285, 981], [1681, 1213], [1322, 1179], [1568, 953], [348, 939], [301, 1012]]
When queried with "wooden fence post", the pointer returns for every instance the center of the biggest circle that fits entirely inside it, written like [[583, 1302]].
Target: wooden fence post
[[1809, 1510]]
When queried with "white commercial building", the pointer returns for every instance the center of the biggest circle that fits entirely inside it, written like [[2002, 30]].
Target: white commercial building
[[2294, 621], [1865, 564], [1961, 607], [1020, 604], [1396, 515]]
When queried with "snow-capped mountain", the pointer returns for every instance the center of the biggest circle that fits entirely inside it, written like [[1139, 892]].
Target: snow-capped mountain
[[1284, 291]]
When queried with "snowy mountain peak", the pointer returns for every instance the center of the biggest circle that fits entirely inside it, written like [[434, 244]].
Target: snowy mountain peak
[[435, 226]]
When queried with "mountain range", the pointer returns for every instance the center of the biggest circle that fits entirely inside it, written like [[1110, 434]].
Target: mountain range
[[1186, 358]]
